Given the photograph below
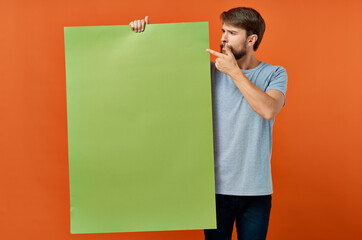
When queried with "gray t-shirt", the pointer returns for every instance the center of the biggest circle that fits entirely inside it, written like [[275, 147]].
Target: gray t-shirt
[[242, 138]]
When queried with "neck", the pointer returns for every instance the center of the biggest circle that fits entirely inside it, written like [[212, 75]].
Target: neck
[[248, 61]]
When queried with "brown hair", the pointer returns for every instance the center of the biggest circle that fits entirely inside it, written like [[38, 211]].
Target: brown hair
[[246, 18]]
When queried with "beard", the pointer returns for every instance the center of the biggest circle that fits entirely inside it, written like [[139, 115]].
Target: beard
[[237, 54]]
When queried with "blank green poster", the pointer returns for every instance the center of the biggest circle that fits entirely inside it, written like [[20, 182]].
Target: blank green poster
[[140, 128]]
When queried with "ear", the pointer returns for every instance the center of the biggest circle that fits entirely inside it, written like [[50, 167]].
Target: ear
[[252, 39]]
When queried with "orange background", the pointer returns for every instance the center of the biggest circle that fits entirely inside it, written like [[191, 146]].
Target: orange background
[[317, 150]]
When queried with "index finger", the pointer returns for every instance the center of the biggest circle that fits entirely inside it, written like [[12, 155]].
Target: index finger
[[217, 54]]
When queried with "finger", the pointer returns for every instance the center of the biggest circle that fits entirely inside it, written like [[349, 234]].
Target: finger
[[132, 27], [217, 54], [142, 24], [135, 25], [146, 20], [138, 25], [227, 49], [217, 65]]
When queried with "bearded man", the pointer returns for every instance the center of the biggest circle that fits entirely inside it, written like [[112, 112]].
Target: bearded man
[[247, 96]]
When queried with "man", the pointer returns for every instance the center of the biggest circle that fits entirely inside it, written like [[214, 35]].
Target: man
[[247, 96]]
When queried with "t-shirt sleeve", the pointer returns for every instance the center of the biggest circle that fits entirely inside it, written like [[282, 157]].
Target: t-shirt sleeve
[[212, 69], [278, 81], [212, 66]]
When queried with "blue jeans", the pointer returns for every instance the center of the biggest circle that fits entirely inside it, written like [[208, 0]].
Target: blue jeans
[[251, 214]]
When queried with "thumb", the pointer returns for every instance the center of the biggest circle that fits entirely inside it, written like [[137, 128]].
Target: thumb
[[146, 20], [227, 49]]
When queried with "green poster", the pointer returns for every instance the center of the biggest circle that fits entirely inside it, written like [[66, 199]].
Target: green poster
[[140, 128]]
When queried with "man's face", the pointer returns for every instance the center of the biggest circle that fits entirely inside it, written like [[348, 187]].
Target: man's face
[[235, 38]]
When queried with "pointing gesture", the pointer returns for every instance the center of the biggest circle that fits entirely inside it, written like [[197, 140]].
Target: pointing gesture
[[225, 62]]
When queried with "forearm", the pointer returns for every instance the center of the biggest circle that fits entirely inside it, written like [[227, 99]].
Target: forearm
[[259, 101]]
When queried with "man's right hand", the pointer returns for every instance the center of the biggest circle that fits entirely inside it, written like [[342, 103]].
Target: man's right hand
[[139, 25]]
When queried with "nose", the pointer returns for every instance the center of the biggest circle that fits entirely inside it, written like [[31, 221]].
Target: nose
[[224, 38]]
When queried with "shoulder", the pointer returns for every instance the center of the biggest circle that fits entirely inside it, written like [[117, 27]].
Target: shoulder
[[212, 65], [214, 71], [274, 72], [274, 69]]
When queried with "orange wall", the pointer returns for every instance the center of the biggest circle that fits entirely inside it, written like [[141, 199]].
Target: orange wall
[[317, 149]]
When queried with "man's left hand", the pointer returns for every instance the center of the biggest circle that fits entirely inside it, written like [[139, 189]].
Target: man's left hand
[[225, 62]]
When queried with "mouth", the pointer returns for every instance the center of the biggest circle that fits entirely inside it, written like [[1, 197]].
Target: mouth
[[222, 48]]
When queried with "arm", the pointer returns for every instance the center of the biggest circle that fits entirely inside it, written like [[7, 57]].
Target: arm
[[267, 104]]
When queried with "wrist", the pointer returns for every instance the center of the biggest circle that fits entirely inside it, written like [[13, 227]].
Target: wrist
[[235, 73]]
